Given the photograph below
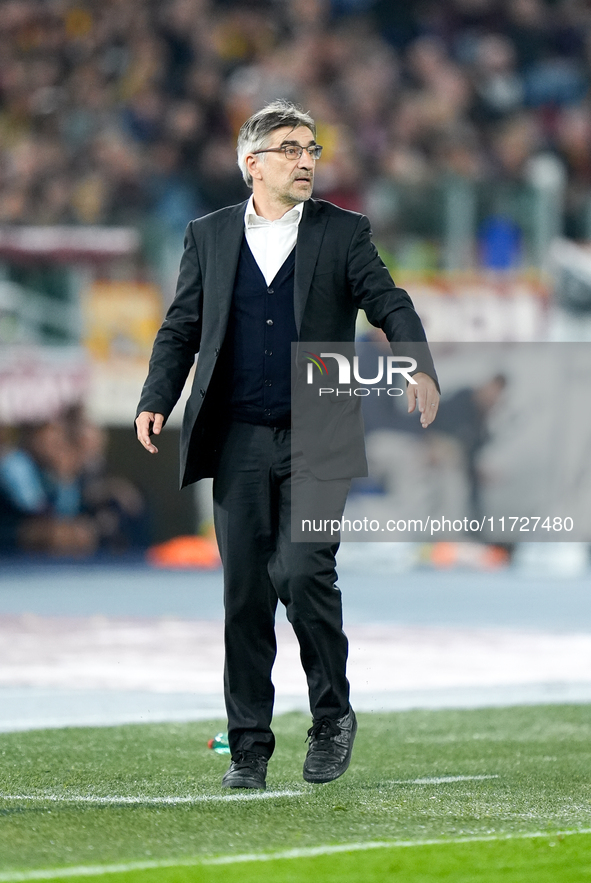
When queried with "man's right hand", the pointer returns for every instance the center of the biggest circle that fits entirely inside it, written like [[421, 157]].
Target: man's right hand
[[148, 423]]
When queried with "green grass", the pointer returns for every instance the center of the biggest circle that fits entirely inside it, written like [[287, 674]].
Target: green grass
[[540, 756], [544, 860]]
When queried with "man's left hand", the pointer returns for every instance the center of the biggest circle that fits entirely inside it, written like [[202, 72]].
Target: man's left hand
[[424, 392]]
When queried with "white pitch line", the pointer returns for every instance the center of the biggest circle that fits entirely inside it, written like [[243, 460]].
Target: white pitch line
[[173, 801], [208, 798], [441, 780], [310, 852]]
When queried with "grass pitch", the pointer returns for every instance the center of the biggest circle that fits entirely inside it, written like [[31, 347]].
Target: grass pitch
[[144, 795]]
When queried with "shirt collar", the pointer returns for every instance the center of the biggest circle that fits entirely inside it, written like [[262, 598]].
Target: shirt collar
[[293, 216]]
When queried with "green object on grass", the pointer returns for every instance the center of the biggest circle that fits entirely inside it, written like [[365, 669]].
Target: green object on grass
[[219, 743]]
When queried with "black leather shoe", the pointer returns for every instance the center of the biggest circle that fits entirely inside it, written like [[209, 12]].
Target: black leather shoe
[[329, 751], [247, 770]]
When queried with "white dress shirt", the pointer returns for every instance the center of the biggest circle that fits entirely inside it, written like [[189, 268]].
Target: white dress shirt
[[271, 241]]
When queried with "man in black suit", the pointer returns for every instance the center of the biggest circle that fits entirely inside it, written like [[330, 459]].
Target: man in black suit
[[254, 278]]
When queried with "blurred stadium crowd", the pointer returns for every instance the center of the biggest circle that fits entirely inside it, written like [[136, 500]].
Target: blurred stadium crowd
[[112, 110], [125, 112]]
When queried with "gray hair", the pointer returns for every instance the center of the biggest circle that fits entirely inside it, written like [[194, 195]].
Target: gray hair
[[255, 131]]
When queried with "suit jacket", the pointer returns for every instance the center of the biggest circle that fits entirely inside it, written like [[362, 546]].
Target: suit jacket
[[338, 271]]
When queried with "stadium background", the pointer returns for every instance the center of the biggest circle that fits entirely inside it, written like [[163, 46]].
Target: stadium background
[[462, 128]]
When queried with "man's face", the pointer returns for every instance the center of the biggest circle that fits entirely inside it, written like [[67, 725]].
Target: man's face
[[284, 180]]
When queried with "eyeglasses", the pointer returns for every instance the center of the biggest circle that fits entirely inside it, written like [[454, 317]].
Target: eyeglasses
[[294, 151]]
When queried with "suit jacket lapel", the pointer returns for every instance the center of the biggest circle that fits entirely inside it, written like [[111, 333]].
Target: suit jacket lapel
[[228, 241], [310, 235]]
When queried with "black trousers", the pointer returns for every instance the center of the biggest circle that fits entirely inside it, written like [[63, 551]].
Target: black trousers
[[252, 494]]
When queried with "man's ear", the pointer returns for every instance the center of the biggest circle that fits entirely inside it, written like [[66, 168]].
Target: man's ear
[[253, 166]]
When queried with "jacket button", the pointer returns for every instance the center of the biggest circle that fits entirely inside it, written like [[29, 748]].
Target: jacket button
[[202, 393], [217, 350], [270, 291], [269, 321]]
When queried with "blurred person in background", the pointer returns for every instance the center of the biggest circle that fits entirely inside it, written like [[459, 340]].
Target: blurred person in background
[[57, 497], [41, 494], [115, 505], [254, 278], [413, 474]]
